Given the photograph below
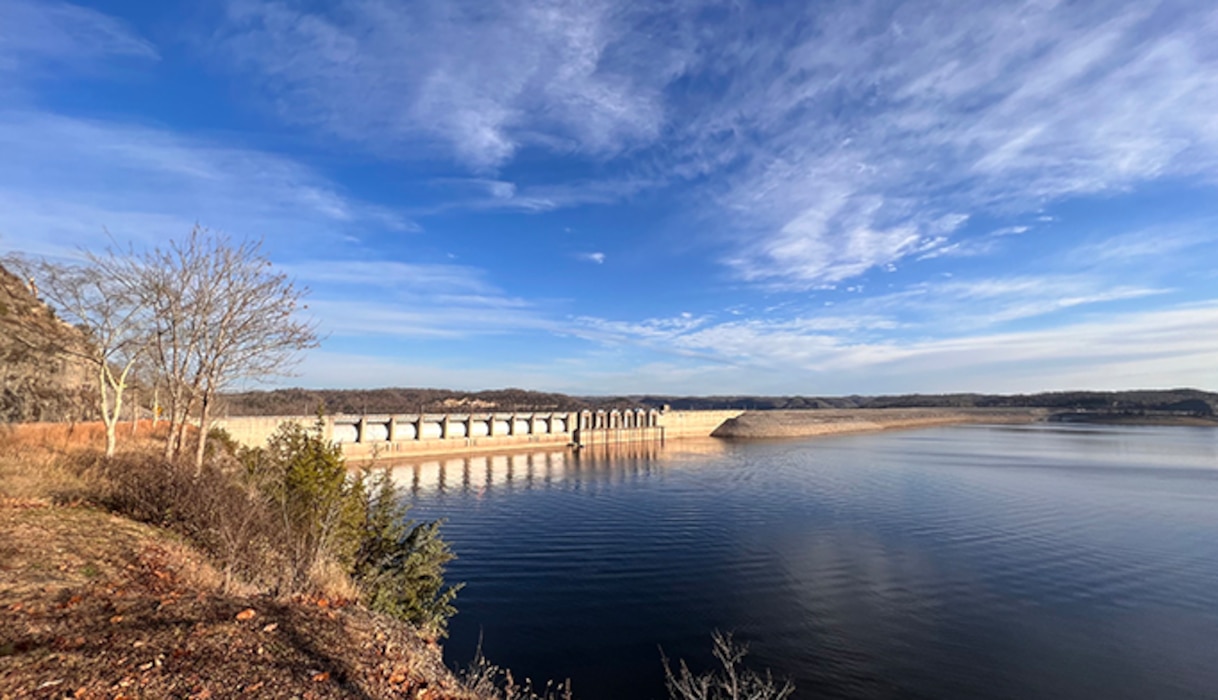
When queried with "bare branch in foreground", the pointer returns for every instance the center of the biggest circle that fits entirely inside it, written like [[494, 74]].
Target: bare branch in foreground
[[730, 682]]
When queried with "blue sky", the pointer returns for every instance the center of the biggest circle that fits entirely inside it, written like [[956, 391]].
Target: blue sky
[[676, 197]]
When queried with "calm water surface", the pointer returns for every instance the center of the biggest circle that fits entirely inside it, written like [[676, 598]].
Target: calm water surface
[[979, 562]]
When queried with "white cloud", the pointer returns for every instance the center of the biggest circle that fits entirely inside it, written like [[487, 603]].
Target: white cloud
[[866, 129], [63, 180], [957, 304], [499, 195], [485, 78], [348, 370], [857, 135], [1147, 246], [370, 274], [597, 257], [422, 317], [39, 34], [871, 329], [389, 299], [1010, 231], [1166, 347]]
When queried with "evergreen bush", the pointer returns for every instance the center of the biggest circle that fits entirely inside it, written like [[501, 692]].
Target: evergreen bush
[[355, 520]]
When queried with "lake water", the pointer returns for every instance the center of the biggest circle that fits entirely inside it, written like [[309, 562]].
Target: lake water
[[964, 562]]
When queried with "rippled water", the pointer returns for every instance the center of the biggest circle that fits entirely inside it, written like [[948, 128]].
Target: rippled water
[[990, 562]]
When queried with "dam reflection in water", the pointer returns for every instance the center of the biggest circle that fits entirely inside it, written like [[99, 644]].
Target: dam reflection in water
[[481, 474]]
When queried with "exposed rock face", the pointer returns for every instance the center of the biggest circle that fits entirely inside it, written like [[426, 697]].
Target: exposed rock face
[[36, 382]]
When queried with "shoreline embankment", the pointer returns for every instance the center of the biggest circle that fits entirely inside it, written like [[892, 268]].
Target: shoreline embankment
[[755, 425]]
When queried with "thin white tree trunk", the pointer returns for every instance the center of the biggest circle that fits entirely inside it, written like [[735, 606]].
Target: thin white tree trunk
[[107, 417]]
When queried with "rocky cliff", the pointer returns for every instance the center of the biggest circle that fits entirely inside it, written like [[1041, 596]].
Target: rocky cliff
[[37, 383]]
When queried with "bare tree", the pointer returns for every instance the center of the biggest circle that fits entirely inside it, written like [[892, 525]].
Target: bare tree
[[221, 314], [111, 318], [731, 682]]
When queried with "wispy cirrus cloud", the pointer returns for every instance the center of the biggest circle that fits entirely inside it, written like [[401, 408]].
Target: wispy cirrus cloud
[[63, 180], [39, 35], [856, 136], [1162, 347], [1157, 348], [489, 194], [392, 299], [952, 306], [881, 119], [485, 79], [811, 338]]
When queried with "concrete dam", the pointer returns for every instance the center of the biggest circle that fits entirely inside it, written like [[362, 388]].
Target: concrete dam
[[366, 437]]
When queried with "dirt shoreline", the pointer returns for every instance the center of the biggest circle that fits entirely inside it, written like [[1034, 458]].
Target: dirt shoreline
[[810, 423]]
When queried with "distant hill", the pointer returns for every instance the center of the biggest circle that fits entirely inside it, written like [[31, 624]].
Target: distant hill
[[37, 385], [404, 400], [1190, 401]]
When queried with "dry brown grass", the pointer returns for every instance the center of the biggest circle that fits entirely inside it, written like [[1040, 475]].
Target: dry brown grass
[[41, 461], [98, 606], [29, 470], [49, 549], [64, 438]]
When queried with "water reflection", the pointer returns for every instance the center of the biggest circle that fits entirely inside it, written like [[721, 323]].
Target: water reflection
[[523, 471], [1009, 562]]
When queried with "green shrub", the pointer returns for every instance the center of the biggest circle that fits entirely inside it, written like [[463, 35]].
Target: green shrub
[[399, 564], [358, 521], [219, 442], [304, 480]]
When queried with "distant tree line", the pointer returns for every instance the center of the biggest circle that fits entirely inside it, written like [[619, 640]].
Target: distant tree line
[[1191, 401], [404, 400]]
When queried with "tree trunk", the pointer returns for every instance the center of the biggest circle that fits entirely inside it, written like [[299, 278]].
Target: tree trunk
[[202, 431], [108, 418], [135, 410], [172, 432], [111, 437], [179, 442]]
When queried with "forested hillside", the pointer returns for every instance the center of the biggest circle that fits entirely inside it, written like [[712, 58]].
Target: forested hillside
[[1189, 401], [403, 400]]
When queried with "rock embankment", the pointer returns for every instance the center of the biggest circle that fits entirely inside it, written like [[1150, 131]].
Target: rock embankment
[[781, 424]]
